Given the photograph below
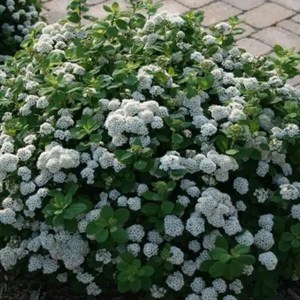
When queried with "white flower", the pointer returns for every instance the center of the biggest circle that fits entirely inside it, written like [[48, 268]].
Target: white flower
[[236, 286], [207, 166], [157, 292], [264, 239], [197, 285], [176, 256], [209, 293], [175, 281], [93, 289], [295, 211], [266, 221], [289, 192], [195, 225], [269, 260], [173, 226], [208, 129], [220, 285], [241, 185], [135, 233], [150, 249], [246, 238]]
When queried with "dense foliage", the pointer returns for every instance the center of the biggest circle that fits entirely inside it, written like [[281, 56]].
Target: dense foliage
[[16, 20], [145, 155]]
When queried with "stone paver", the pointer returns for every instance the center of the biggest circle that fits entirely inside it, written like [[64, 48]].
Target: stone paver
[[296, 18], [294, 81], [275, 35], [266, 22], [254, 46], [266, 15], [218, 11], [290, 25], [195, 3], [248, 30], [245, 4], [292, 4], [172, 6]]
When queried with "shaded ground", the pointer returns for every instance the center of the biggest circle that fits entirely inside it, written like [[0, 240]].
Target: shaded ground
[[20, 288]]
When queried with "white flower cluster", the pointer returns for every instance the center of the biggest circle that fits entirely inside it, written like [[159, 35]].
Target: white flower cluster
[[132, 117], [269, 260], [55, 158], [17, 19], [219, 210], [55, 37]]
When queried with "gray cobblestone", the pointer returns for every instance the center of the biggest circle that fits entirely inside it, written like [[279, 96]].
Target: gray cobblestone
[[276, 35]]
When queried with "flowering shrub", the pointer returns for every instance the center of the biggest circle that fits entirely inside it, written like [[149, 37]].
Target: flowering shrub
[[16, 20], [144, 155]]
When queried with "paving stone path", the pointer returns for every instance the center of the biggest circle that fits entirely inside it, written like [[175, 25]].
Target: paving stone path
[[266, 22]]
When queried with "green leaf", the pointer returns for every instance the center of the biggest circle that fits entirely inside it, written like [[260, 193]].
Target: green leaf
[[107, 8], [146, 283], [150, 209], [233, 269], [122, 215], [254, 126], [107, 212], [123, 286], [295, 243], [124, 156], [121, 24], [205, 266], [73, 17], [295, 229], [217, 269], [112, 32], [287, 236], [147, 270], [206, 82], [232, 151], [58, 220], [221, 242], [120, 236], [135, 285], [284, 246], [167, 207], [217, 252], [72, 189], [140, 165], [224, 258], [241, 249], [123, 275], [127, 257], [151, 196], [279, 51], [130, 80], [49, 210], [115, 6], [171, 185], [74, 210], [71, 225], [177, 138], [222, 143], [246, 259], [101, 235]]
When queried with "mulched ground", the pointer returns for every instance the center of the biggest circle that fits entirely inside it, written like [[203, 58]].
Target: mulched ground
[[19, 288]]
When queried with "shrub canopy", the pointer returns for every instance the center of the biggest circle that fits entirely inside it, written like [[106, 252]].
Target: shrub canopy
[[143, 154]]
